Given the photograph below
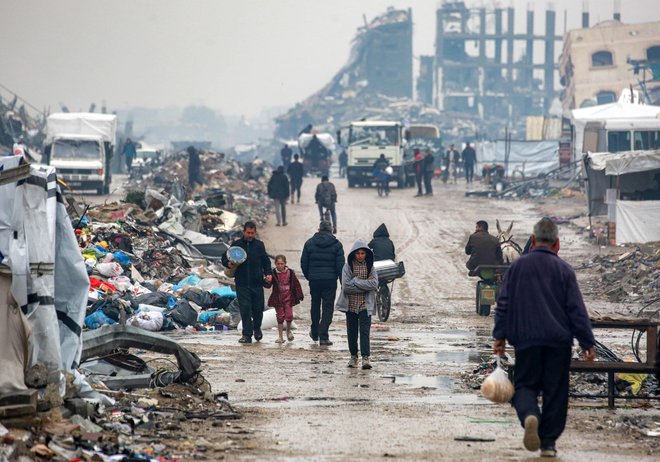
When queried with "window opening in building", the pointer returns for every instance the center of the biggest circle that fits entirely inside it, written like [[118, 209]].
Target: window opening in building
[[601, 58]]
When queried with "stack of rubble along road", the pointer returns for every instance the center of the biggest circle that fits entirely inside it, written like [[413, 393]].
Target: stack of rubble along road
[[633, 276]]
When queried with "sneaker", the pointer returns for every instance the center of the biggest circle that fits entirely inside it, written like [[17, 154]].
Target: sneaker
[[548, 451], [325, 343], [285, 223], [366, 364], [278, 224], [279, 340], [353, 362], [313, 337], [245, 339], [334, 230], [258, 335], [289, 336], [531, 440]]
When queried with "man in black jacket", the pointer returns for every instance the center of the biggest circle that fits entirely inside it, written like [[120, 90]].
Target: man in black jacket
[[278, 190], [483, 248], [249, 278], [322, 261], [381, 245], [295, 172]]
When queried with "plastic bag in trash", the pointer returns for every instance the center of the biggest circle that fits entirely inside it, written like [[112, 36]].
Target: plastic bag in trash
[[189, 281], [183, 314], [148, 320], [97, 319], [152, 298], [497, 387], [109, 269]]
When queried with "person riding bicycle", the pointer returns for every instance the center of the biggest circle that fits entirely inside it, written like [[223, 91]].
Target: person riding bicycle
[[380, 173]]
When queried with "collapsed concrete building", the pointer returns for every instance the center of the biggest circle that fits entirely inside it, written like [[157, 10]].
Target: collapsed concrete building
[[379, 71]]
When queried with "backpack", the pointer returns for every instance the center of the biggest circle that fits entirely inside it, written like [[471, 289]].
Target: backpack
[[326, 197]]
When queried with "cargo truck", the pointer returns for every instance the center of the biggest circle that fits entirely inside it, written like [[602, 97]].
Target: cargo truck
[[80, 146]]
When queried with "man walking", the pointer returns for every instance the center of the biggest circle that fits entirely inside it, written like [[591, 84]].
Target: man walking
[[469, 162], [343, 163], [194, 167], [129, 154], [249, 277], [418, 167], [539, 311], [483, 248], [453, 160], [429, 169], [295, 172], [278, 190], [326, 197], [321, 262], [286, 154]]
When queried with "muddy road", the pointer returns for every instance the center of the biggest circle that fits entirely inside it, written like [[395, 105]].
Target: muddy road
[[301, 402]]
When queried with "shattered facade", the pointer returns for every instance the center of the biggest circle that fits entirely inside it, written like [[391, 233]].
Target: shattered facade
[[598, 62], [380, 65], [476, 72]]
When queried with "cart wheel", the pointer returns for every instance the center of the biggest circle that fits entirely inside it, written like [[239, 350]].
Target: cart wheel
[[383, 303], [482, 310]]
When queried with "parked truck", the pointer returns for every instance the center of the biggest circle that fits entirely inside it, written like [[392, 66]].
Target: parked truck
[[80, 146], [367, 140]]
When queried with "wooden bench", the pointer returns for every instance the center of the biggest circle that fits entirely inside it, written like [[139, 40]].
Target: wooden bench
[[612, 367]]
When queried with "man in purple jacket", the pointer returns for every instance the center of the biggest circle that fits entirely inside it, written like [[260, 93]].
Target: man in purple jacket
[[539, 311]]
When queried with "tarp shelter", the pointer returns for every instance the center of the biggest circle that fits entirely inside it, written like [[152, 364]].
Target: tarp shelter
[[532, 157], [619, 112], [635, 176], [49, 282]]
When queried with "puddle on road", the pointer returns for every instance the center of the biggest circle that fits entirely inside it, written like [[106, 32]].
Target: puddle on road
[[417, 380], [458, 357]]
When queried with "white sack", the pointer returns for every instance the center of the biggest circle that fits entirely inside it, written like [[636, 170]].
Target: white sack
[[637, 222]]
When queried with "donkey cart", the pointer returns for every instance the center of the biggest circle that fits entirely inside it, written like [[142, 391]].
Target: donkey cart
[[488, 286], [387, 271]]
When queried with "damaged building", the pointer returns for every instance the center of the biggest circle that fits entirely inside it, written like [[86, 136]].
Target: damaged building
[[477, 74], [380, 65], [598, 62]]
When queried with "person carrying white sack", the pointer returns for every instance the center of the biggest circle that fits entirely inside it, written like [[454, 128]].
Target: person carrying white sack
[[539, 312]]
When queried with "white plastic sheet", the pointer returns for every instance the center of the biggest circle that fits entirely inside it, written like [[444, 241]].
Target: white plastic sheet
[[637, 222]]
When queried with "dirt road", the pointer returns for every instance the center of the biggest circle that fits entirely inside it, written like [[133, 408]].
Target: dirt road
[[301, 402]]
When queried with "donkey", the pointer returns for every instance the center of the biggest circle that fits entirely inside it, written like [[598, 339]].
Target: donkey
[[510, 250]]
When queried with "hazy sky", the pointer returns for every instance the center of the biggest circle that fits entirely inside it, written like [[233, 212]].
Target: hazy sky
[[238, 56]]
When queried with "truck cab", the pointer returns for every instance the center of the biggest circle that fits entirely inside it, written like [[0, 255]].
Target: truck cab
[[621, 135], [80, 146], [367, 140]]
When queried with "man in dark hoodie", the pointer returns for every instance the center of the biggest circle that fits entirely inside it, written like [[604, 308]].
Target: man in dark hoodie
[[321, 262], [381, 245], [539, 311], [250, 277], [278, 190]]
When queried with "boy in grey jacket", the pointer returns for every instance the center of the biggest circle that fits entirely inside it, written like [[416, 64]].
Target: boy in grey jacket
[[359, 283]]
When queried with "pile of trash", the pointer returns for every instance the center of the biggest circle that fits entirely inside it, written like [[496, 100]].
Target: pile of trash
[[633, 276]]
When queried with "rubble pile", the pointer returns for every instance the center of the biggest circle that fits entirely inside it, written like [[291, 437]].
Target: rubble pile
[[16, 123], [633, 276], [135, 426]]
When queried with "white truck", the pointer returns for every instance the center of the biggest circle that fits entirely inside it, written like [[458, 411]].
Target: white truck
[[80, 146], [367, 140]]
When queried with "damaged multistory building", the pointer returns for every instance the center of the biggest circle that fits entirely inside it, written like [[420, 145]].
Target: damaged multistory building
[[380, 65], [477, 73], [598, 62]]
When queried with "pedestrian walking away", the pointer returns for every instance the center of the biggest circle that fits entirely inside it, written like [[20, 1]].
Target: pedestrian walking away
[[286, 294], [278, 190], [453, 162], [357, 299], [296, 173], [326, 198], [539, 311], [129, 152], [321, 262], [250, 277], [286, 154], [483, 248], [343, 163], [418, 167], [469, 156], [429, 169], [381, 244]]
